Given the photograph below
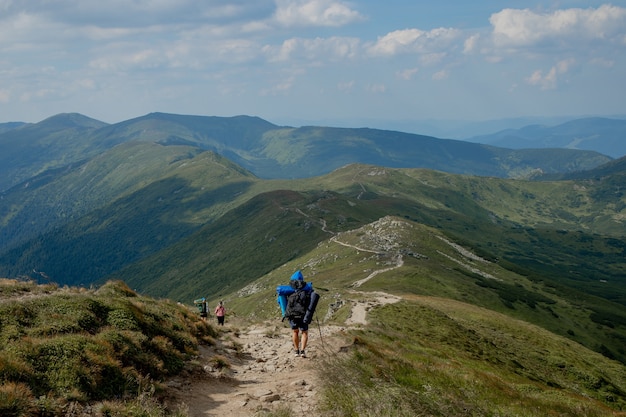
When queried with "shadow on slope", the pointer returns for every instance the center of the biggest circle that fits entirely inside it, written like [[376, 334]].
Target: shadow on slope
[[107, 239]]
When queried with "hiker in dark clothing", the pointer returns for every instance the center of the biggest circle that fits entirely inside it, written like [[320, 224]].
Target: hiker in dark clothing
[[297, 302], [203, 307], [298, 324]]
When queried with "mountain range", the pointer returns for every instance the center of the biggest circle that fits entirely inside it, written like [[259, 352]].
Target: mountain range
[[185, 206], [270, 151], [592, 133]]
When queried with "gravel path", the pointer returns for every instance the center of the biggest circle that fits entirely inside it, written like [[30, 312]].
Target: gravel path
[[263, 373]]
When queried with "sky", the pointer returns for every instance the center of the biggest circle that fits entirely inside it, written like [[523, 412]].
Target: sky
[[307, 61]]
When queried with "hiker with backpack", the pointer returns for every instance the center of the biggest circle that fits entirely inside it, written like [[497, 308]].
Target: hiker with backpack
[[298, 302], [203, 307]]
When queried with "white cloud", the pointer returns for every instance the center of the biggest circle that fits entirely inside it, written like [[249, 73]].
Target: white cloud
[[407, 74], [471, 43], [413, 41], [292, 13], [441, 75], [318, 49], [563, 28], [5, 96], [549, 80], [346, 85], [116, 13], [432, 58], [376, 88], [603, 62], [60, 53], [279, 88]]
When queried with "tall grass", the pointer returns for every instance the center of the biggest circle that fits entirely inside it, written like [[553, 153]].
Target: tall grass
[[70, 348], [437, 360]]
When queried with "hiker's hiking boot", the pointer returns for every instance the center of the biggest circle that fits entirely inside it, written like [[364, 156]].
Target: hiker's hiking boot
[[302, 354], [298, 353]]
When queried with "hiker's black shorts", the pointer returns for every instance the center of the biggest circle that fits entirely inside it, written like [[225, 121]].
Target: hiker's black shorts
[[298, 324]]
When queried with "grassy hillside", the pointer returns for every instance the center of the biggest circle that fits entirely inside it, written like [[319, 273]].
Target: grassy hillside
[[250, 241], [67, 351], [432, 356], [106, 351], [153, 208], [58, 197], [564, 232], [32, 149]]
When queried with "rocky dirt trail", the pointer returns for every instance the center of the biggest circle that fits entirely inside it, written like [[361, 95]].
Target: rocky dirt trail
[[263, 375]]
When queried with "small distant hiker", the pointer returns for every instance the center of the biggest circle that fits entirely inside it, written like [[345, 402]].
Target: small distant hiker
[[220, 312], [298, 301], [203, 307]]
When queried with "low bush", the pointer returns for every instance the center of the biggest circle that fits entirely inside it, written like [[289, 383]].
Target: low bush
[[64, 348]]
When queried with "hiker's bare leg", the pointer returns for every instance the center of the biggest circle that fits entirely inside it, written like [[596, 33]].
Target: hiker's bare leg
[[305, 338], [296, 339]]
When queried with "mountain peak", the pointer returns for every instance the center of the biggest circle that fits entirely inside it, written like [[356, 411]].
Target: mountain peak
[[71, 120]]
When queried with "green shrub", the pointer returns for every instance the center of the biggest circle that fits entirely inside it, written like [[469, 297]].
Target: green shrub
[[122, 320]]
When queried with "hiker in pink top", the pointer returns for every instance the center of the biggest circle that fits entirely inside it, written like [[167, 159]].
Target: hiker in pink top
[[220, 312]]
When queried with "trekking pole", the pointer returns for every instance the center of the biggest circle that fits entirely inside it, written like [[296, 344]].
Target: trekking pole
[[319, 328]]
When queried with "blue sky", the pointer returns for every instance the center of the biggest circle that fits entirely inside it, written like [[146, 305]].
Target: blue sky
[[333, 61]]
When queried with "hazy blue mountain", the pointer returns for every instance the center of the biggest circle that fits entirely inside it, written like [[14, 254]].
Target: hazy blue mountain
[[55, 142], [270, 151], [603, 135], [10, 126], [439, 128]]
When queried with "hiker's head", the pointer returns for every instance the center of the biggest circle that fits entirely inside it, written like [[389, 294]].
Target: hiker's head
[[297, 276]]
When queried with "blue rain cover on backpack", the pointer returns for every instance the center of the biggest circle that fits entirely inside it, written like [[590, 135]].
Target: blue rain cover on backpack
[[309, 298]]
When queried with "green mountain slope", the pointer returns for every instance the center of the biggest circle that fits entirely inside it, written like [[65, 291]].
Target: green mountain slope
[[111, 350], [251, 240], [557, 230], [147, 214], [62, 196], [267, 150], [270, 151], [52, 143]]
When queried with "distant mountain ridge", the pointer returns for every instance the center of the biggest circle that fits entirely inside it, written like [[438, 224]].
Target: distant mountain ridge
[[599, 134], [270, 151], [10, 126]]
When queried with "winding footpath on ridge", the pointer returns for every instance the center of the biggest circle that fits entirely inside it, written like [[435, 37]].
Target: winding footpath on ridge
[[263, 373]]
